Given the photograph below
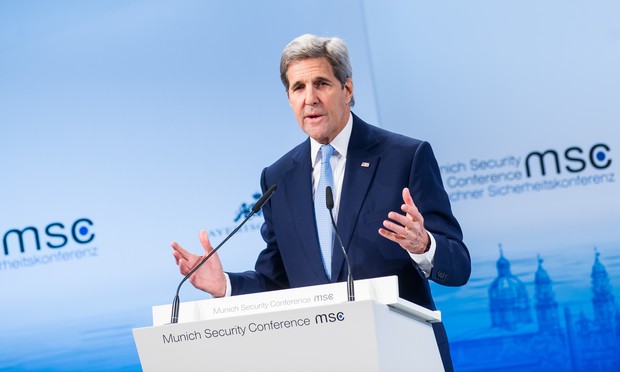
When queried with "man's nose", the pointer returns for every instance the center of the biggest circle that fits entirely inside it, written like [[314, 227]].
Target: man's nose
[[311, 96]]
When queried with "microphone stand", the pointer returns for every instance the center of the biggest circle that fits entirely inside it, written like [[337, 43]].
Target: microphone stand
[[257, 206], [329, 198]]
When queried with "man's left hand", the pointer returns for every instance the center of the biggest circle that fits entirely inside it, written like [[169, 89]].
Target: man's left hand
[[407, 230]]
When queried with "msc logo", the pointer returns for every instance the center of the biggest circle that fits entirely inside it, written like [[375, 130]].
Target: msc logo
[[329, 318], [55, 235], [574, 159]]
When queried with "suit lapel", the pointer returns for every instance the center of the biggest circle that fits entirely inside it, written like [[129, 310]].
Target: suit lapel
[[298, 191], [359, 170]]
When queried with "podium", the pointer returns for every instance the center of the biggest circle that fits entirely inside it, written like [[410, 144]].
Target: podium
[[301, 329]]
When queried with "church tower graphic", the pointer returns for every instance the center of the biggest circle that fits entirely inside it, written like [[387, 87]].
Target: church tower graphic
[[547, 313], [603, 300], [597, 340]]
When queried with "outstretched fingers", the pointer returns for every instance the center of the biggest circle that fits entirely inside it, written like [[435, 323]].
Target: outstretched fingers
[[407, 230]]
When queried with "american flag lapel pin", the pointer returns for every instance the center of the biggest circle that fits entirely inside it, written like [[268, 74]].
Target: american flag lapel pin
[[365, 164]]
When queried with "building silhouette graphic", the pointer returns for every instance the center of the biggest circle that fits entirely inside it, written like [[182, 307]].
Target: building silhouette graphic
[[555, 340], [509, 302]]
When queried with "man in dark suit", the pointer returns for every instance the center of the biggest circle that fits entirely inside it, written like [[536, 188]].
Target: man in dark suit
[[374, 173]]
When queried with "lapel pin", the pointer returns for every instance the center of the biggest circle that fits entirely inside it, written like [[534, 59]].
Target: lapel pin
[[365, 164]]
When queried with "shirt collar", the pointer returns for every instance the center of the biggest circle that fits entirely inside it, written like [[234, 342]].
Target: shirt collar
[[340, 143]]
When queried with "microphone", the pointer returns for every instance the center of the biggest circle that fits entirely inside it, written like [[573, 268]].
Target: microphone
[[255, 208], [329, 201]]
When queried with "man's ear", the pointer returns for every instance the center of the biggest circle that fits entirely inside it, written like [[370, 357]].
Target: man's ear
[[348, 89]]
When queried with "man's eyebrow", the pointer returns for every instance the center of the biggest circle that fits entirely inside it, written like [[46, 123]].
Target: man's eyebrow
[[296, 84], [320, 79]]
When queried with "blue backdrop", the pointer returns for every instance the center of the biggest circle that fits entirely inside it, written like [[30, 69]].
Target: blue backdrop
[[127, 124]]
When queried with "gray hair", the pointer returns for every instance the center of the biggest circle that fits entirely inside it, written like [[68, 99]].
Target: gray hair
[[312, 46]]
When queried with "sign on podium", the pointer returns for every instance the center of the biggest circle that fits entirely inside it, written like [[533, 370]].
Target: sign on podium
[[301, 329]]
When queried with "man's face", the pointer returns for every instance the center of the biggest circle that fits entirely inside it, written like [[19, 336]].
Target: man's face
[[320, 103]]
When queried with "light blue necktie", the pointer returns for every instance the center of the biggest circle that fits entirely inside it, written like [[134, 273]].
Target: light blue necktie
[[323, 220]]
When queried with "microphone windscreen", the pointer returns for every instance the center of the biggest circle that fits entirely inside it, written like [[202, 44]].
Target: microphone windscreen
[[259, 204], [329, 198]]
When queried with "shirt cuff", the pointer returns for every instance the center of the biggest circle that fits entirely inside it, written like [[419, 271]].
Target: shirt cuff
[[425, 260], [228, 292]]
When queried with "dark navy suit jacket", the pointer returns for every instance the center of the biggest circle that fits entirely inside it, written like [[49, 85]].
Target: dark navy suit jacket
[[292, 257]]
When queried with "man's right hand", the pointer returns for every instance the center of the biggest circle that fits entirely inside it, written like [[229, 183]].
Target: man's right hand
[[210, 277]]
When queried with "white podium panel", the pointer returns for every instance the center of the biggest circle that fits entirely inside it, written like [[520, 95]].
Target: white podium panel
[[350, 336]]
